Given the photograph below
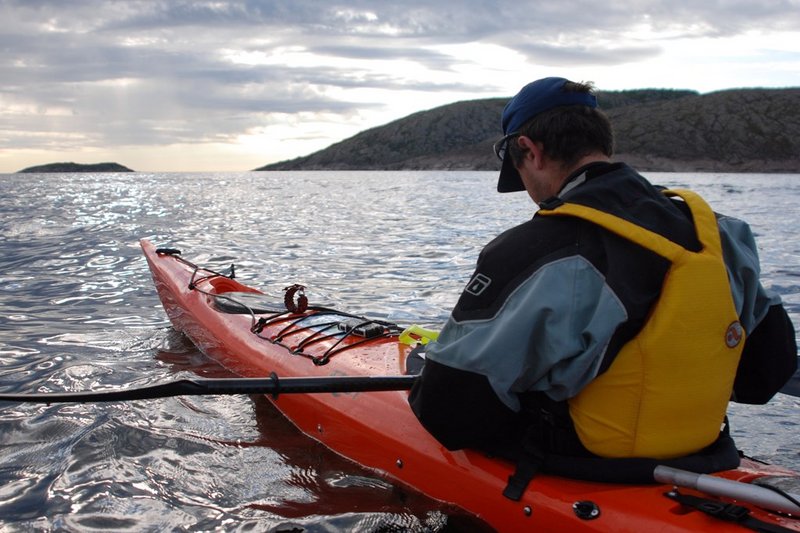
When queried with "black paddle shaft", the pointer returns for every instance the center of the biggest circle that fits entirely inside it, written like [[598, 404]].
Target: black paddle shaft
[[231, 386], [226, 386]]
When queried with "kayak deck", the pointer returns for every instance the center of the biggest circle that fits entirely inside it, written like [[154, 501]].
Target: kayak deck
[[237, 326]]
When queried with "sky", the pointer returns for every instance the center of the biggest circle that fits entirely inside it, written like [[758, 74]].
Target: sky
[[162, 86]]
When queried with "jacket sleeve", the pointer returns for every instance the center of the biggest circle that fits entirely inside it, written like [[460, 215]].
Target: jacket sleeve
[[769, 358], [549, 334]]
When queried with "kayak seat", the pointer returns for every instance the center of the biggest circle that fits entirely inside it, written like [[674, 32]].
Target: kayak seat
[[247, 303]]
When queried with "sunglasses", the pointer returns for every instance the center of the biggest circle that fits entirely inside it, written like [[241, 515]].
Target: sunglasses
[[501, 146]]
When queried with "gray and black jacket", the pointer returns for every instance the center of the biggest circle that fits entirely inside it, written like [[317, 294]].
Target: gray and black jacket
[[554, 299]]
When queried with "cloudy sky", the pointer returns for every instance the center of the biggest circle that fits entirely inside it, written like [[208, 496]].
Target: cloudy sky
[[217, 86]]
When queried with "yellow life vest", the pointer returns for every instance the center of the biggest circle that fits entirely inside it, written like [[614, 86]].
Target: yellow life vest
[[666, 393]]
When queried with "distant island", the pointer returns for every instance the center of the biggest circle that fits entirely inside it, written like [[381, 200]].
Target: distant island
[[76, 167], [737, 130]]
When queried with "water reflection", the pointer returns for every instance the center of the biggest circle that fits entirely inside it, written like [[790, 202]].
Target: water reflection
[[78, 311]]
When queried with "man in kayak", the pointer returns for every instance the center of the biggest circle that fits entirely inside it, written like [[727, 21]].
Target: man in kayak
[[607, 334]]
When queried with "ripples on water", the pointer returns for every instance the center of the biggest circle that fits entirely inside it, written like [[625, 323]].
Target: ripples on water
[[79, 312]]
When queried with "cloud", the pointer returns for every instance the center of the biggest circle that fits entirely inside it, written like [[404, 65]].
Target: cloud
[[154, 73]]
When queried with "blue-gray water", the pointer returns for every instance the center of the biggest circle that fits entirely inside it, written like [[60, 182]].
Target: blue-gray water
[[78, 311]]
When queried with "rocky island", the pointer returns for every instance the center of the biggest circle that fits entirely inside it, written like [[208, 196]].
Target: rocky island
[[76, 167]]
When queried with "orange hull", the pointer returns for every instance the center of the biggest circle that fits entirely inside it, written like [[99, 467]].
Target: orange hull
[[378, 429]]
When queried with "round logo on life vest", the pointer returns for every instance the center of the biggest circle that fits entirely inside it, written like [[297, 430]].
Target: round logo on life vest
[[734, 334]]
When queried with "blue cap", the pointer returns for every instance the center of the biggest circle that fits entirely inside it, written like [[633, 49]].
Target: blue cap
[[536, 97]]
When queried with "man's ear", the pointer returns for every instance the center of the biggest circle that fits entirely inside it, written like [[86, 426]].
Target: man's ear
[[533, 150]]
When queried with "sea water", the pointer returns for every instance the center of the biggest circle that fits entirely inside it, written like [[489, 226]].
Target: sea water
[[78, 311]]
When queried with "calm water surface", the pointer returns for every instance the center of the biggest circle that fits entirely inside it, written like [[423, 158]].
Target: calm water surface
[[78, 311]]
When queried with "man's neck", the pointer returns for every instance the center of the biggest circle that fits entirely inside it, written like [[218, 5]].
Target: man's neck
[[570, 172], [596, 157]]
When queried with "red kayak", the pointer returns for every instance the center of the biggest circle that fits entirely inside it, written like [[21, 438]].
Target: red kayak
[[253, 336]]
